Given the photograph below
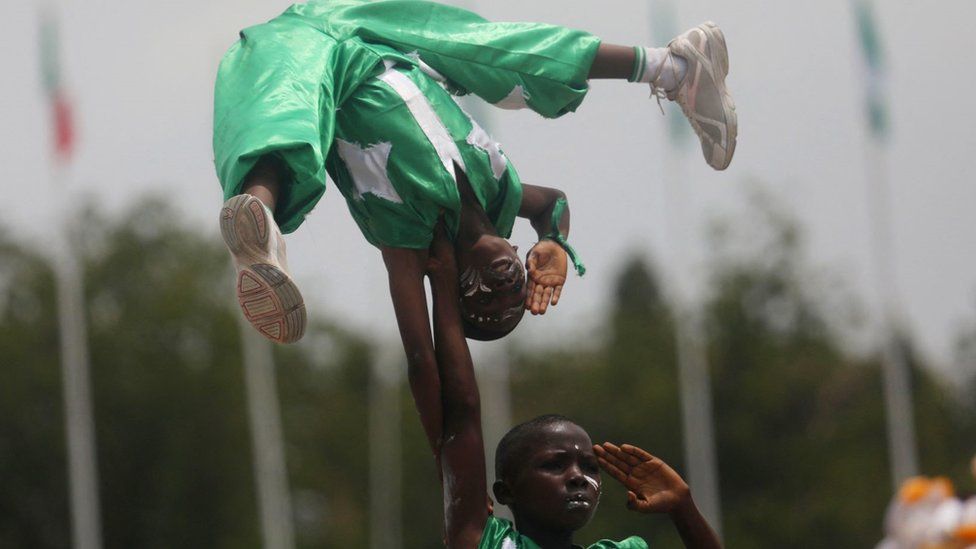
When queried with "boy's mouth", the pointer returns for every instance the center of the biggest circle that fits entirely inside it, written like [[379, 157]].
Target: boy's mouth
[[579, 500]]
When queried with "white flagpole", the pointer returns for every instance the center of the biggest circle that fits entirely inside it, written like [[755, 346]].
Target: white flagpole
[[492, 367], [270, 472], [899, 410], [79, 419], [385, 523], [693, 376]]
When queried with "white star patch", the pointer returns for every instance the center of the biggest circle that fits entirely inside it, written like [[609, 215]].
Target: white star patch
[[479, 138], [368, 169]]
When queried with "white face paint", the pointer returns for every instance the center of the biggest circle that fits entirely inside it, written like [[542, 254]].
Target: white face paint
[[471, 282], [593, 482]]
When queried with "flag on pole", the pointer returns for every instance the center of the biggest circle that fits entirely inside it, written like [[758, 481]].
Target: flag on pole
[[876, 102], [63, 131]]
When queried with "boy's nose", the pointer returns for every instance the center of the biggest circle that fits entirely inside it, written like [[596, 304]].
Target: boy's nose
[[504, 284], [575, 477]]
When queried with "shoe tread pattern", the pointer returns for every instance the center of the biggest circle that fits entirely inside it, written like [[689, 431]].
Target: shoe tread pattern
[[268, 297]]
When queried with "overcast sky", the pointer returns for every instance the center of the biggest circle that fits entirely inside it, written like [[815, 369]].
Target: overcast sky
[[141, 77]]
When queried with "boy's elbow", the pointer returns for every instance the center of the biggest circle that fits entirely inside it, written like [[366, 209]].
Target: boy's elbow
[[558, 194]]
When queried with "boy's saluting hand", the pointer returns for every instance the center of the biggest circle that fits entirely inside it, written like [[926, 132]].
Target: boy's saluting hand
[[654, 487]]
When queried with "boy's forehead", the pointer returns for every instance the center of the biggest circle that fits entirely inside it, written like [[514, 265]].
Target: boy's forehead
[[562, 435]]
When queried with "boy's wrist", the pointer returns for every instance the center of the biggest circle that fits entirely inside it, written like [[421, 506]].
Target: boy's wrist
[[685, 507]]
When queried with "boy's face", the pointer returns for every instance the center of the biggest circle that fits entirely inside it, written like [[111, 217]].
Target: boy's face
[[558, 486], [492, 283]]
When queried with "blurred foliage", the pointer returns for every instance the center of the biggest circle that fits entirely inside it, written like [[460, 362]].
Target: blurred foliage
[[799, 422]]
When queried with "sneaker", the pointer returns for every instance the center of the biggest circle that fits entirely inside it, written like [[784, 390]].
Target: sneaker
[[702, 95], [269, 299]]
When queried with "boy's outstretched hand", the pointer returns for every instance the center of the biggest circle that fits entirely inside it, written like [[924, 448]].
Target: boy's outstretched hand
[[652, 485], [547, 264]]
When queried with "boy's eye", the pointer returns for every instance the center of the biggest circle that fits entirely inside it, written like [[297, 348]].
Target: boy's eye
[[551, 465]]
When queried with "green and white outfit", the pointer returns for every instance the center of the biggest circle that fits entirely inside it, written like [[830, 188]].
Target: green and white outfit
[[357, 89], [500, 534]]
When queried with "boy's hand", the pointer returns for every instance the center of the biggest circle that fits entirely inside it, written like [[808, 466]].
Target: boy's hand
[[546, 263], [441, 264], [652, 486]]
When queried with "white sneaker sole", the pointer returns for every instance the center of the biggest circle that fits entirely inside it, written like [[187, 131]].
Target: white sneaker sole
[[268, 297]]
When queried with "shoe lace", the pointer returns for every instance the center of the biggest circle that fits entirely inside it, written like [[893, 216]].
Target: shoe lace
[[657, 91]]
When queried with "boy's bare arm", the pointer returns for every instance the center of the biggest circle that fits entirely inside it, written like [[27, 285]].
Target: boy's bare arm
[[462, 453], [537, 206], [406, 270], [654, 487]]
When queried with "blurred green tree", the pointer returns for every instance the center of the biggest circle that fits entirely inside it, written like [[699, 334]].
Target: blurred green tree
[[34, 499], [173, 444]]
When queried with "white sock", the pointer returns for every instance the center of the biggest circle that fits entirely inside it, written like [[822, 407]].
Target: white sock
[[660, 65]]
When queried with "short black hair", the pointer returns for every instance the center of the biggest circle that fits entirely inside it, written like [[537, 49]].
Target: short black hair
[[513, 445]]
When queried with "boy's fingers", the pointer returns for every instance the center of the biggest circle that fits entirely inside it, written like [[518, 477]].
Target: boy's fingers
[[618, 463], [614, 451], [619, 453], [612, 470], [611, 447], [537, 298], [555, 294], [540, 290], [639, 453], [631, 500], [628, 457]]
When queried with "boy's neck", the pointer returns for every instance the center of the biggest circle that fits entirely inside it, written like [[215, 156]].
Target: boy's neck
[[546, 539], [473, 222]]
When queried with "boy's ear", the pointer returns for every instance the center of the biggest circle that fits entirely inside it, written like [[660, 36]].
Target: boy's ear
[[503, 494]]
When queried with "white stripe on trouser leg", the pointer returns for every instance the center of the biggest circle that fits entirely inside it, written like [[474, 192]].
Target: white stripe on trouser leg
[[428, 120], [425, 68]]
